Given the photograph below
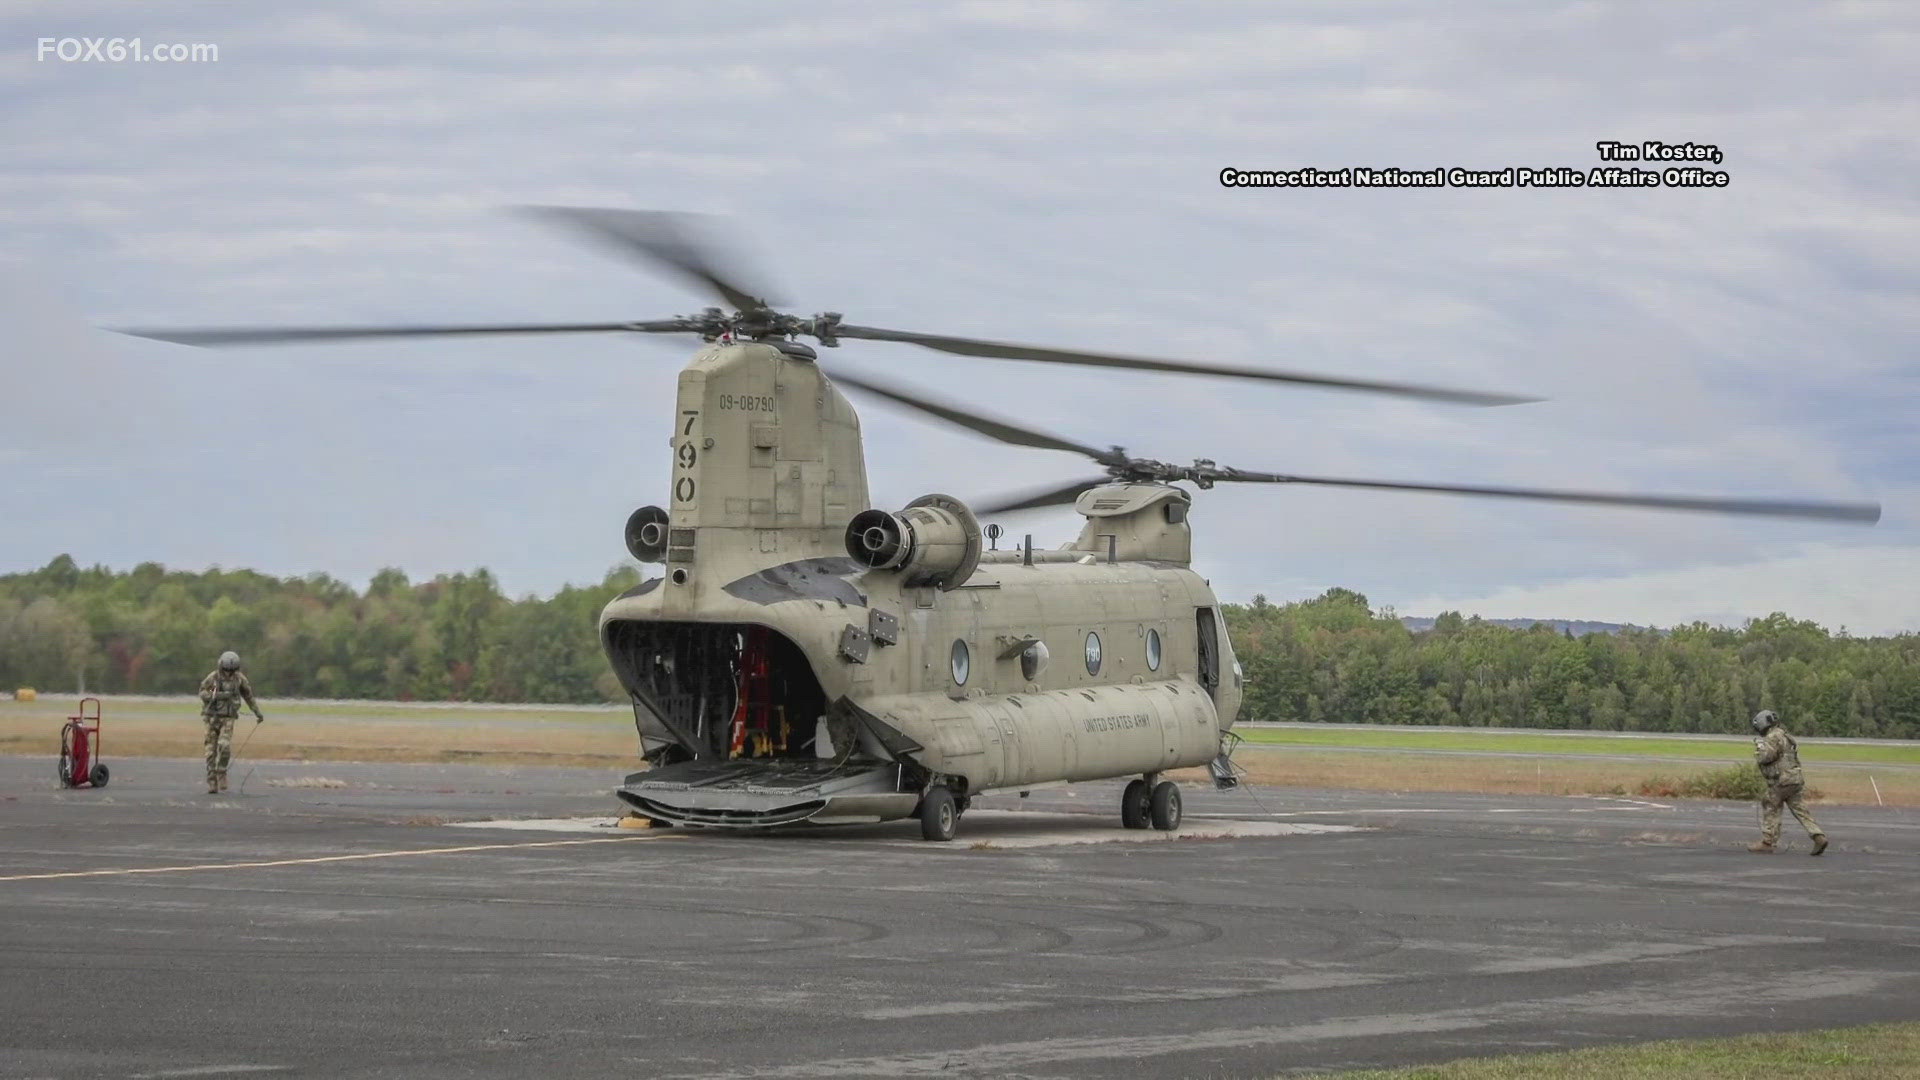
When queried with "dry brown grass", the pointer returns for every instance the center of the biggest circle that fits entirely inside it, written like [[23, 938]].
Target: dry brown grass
[[349, 733]]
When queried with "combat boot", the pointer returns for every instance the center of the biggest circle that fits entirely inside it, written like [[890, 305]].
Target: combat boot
[[213, 787], [223, 783], [1761, 847], [1819, 843]]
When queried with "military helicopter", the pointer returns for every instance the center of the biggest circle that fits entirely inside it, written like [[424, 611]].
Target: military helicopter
[[806, 658]]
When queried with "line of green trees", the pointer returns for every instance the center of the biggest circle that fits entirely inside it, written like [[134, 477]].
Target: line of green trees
[[1334, 659], [1329, 659], [155, 631]]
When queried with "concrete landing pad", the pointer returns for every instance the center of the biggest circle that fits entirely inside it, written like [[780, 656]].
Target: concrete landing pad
[[368, 920], [978, 829]]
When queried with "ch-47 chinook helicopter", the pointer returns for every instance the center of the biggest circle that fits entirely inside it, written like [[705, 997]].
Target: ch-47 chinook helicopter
[[805, 657]]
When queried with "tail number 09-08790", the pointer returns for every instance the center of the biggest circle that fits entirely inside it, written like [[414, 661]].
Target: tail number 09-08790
[[684, 456]]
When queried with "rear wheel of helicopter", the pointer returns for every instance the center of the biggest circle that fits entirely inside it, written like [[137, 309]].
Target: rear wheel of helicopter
[[1165, 809], [1135, 804], [939, 814]]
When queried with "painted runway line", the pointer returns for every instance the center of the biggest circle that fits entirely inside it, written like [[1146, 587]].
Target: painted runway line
[[125, 871]]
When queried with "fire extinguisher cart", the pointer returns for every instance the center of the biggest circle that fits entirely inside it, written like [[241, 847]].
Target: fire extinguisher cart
[[80, 763]]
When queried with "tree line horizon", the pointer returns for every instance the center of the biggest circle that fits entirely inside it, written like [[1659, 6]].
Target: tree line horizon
[[1329, 659]]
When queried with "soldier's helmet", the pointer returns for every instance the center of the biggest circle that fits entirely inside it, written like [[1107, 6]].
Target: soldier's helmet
[[229, 661], [1763, 720]]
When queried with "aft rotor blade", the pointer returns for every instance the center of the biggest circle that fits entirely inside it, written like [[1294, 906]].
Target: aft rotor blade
[[1865, 513], [992, 428], [290, 335], [1057, 495], [1007, 351], [672, 241]]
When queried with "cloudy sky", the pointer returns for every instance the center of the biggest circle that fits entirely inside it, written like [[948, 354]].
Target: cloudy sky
[[1043, 172]]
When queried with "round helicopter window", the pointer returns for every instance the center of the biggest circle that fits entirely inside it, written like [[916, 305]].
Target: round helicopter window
[[961, 662], [1033, 660], [1093, 654], [1153, 650]]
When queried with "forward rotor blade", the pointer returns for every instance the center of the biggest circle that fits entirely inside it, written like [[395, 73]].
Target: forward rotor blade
[[1058, 495], [993, 429], [289, 335], [1007, 351], [671, 241], [1866, 513]]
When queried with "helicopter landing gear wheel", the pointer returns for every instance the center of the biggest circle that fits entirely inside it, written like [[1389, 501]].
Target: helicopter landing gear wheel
[[1165, 809], [939, 815], [1136, 803]]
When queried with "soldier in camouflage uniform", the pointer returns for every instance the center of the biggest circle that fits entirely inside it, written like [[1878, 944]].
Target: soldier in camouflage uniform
[[1779, 759], [220, 695]]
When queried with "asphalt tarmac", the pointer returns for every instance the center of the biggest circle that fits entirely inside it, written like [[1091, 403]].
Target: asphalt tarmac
[[352, 920]]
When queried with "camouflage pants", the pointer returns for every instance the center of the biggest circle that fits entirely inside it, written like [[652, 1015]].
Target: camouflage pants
[[1787, 795], [219, 745]]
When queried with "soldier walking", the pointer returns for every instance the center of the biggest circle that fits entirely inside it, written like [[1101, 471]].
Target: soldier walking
[[220, 695], [1779, 759]]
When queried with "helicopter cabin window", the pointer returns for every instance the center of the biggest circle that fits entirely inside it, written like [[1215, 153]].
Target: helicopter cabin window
[[1153, 650], [1093, 653], [962, 663]]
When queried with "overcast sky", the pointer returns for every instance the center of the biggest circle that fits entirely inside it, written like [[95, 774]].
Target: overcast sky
[[1042, 172]]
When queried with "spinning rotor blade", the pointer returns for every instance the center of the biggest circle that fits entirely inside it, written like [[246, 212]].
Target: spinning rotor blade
[[1206, 473], [1006, 351], [1865, 513], [993, 429], [1001, 430], [672, 241], [267, 335], [1059, 495]]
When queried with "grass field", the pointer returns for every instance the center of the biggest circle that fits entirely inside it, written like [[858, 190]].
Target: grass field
[[1283, 767], [1863, 1053], [1732, 747], [1554, 763], [1387, 759]]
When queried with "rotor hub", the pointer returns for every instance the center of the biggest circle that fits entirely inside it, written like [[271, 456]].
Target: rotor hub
[[763, 324]]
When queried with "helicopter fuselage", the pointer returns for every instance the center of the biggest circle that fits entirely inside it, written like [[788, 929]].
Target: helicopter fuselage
[[782, 670]]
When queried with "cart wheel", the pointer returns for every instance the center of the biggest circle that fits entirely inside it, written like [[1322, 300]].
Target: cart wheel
[[98, 777]]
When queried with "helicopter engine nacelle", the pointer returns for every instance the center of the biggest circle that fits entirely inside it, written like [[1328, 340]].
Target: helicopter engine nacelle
[[934, 541], [647, 534]]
